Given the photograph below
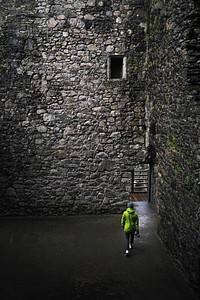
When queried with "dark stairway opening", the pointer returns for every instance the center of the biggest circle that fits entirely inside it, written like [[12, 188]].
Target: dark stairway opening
[[140, 183]]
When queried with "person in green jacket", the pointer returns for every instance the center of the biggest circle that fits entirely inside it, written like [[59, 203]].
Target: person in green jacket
[[130, 224]]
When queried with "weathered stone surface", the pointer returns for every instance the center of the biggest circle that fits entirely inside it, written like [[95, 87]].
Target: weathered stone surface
[[64, 123], [172, 93], [10, 192]]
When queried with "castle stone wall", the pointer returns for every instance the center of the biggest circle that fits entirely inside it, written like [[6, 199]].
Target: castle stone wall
[[172, 92], [70, 136]]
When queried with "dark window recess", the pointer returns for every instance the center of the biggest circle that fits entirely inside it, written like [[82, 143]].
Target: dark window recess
[[116, 67]]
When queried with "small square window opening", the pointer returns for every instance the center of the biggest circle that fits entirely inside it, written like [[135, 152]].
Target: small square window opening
[[117, 67]]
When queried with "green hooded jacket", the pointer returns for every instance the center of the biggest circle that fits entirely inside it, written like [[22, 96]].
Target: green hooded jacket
[[129, 220]]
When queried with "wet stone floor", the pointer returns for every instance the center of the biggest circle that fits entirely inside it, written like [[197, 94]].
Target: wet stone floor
[[83, 257]]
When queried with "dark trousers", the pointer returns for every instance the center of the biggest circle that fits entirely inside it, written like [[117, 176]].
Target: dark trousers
[[129, 238]]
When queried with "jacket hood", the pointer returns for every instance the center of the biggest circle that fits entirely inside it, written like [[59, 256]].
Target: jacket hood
[[130, 210]]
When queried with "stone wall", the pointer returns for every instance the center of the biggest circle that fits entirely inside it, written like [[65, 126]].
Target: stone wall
[[70, 136], [172, 95]]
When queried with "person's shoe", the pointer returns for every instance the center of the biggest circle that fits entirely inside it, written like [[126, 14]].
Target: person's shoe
[[127, 253], [130, 246]]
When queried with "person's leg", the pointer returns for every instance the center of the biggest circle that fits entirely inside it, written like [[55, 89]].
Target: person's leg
[[127, 240], [132, 239]]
